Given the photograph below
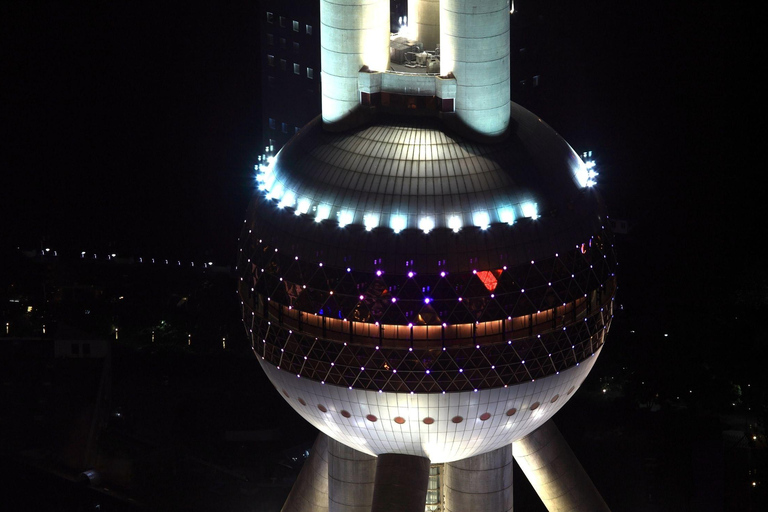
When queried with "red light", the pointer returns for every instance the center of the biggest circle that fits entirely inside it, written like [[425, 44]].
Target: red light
[[488, 277]]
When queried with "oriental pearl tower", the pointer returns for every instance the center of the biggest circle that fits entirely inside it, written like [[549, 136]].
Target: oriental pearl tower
[[426, 273]]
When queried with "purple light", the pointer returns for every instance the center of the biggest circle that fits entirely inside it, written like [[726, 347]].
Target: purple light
[[378, 272], [426, 300], [442, 274], [394, 299], [410, 274]]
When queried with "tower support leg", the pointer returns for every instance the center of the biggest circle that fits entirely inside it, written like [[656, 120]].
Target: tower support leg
[[401, 483], [482, 483], [351, 475], [310, 492], [555, 473]]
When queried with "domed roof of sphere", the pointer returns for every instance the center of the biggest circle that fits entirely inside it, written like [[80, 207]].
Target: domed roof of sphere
[[379, 188]]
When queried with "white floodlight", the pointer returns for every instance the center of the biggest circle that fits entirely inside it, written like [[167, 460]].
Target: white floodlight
[[398, 222], [481, 219], [323, 212], [426, 224], [531, 210]]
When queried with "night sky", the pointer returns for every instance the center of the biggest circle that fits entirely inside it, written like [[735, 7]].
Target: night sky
[[130, 125]]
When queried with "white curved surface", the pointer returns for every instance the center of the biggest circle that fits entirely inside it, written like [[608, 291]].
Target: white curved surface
[[441, 441]]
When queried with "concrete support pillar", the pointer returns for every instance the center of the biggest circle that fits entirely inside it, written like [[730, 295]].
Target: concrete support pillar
[[482, 483], [474, 46], [555, 473], [424, 22], [351, 475], [310, 492], [401, 483], [353, 33]]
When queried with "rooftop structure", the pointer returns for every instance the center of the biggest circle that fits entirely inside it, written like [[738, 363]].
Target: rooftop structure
[[426, 273]]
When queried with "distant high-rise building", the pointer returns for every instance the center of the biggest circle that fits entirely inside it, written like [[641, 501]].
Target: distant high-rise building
[[290, 60], [426, 273]]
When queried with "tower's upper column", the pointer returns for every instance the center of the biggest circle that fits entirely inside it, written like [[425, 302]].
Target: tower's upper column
[[424, 22], [353, 33], [474, 46]]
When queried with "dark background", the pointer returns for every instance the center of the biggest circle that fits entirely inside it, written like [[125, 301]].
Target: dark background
[[132, 127], [137, 123]]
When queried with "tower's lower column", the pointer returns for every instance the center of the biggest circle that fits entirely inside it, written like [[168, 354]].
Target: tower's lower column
[[555, 473], [310, 492], [401, 483], [350, 478], [480, 483]]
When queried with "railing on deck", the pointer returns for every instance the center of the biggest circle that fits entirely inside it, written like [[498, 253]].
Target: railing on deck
[[433, 336]]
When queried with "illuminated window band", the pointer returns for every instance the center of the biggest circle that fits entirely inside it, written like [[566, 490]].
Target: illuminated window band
[[273, 188]]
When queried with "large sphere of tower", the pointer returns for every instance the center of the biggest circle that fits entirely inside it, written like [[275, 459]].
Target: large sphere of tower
[[436, 284], [410, 291]]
